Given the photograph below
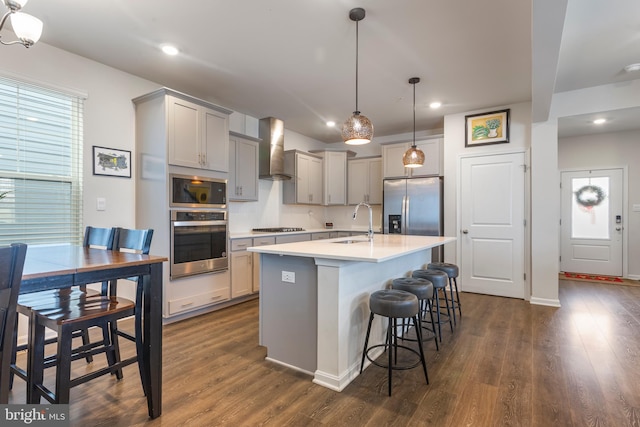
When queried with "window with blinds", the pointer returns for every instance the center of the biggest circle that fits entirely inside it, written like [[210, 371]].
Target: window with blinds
[[40, 165]]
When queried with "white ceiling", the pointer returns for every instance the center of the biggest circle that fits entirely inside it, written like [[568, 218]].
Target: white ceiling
[[295, 59]]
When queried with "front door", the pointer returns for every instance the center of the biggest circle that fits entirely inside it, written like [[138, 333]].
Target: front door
[[492, 224], [591, 225]]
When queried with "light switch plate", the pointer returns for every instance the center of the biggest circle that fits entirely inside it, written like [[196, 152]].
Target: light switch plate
[[101, 204], [636, 208]]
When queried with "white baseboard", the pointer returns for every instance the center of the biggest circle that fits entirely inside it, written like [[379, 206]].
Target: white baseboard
[[633, 277], [545, 301]]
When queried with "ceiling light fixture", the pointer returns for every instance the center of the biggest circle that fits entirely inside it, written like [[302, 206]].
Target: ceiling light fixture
[[331, 123], [435, 104], [632, 67], [413, 157], [357, 129], [599, 121], [170, 50], [27, 28]]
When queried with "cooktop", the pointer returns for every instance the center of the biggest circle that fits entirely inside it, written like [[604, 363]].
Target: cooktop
[[277, 229]]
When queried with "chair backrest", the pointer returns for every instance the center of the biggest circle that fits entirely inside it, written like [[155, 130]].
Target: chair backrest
[[131, 240], [102, 238], [11, 265]]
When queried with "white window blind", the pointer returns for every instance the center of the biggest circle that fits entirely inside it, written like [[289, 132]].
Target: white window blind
[[40, 165]]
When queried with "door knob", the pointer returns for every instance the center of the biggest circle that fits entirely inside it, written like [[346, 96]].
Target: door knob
[[465, 231], [618, 228]]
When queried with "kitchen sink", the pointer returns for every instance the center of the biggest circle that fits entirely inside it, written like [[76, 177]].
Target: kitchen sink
[[349, 241]]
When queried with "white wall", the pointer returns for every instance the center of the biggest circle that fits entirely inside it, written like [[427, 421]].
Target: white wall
[[544, 179], [606, 151], [108, 118], [454, 149]]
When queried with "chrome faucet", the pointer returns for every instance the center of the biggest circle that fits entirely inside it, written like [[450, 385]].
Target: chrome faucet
[[355, 214]]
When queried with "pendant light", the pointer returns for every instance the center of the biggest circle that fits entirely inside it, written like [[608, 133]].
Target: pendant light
[[413, 157], [357, 129]]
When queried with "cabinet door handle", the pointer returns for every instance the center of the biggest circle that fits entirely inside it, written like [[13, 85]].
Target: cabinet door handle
[[241, 190], [204, 160], [465, 231]]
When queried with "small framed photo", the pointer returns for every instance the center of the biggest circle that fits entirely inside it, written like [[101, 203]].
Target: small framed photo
[[111, 162], [487, 128]]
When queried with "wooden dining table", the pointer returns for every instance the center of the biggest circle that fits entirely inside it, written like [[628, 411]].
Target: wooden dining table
[[62, 266]]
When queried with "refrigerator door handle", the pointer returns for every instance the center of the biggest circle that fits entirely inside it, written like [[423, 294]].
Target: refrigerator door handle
[[405, 219]]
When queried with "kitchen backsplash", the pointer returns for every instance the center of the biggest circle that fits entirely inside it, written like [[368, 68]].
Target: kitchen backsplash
[[270, 212]]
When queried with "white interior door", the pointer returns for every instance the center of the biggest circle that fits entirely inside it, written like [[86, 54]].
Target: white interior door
[[591, 225], [492, 224]]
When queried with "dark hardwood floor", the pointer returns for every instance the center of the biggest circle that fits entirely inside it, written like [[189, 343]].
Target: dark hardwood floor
[[507, 363]]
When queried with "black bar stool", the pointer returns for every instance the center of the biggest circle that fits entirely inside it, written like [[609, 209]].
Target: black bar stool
[[439, 280], [394, 304], [452, 271], [423, 290]]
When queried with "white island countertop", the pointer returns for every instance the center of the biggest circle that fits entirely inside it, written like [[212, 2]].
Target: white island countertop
[[383, 247]]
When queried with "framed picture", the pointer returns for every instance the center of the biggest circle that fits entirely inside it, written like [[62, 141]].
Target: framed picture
[[111, 162], [487, 128]]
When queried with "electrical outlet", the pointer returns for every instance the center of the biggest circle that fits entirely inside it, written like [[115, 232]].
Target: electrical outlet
[[289, 276]]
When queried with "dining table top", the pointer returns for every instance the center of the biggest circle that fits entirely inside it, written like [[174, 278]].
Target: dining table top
[[63, 265], [63, 259]]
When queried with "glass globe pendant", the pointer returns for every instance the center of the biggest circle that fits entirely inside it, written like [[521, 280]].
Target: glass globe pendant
[[413, 157], [357, 129]]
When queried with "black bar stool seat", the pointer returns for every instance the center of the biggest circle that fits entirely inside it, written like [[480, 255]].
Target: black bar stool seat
[[394, 304], [452, 271], [423, 290], [439, 280]]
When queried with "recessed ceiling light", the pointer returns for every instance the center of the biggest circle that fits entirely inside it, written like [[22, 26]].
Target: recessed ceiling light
[[599, 121], [632, 67], [170, 50], [435, 104], [331, 123]]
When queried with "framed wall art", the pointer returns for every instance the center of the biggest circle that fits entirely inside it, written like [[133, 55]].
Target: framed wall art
[[487, 128], [111, 162]]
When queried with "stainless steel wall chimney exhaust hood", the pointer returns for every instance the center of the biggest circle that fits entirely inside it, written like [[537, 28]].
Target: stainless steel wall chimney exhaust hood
[[271, 149]]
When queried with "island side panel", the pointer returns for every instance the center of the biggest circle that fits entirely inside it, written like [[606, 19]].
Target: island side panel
[[288, 311], [344, 288]]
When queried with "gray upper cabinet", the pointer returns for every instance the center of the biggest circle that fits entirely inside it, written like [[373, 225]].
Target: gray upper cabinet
[[305, 186], [365, 180], [243, 176], [392, 159], [197, 135], [335, 178]]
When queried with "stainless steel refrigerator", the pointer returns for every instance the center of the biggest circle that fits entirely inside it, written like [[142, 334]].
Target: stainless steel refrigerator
[[414, 206]]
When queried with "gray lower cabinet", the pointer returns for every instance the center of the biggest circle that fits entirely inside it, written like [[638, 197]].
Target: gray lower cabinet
[[241, 267], [259, 241]]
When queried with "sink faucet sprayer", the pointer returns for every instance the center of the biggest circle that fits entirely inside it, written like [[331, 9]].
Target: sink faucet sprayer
[[355, 214]]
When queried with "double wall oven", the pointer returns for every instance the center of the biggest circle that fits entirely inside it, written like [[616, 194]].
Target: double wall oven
[[199, 225]]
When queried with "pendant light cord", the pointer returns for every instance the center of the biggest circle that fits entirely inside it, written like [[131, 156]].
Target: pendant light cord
[[357, 111], [414, 115]]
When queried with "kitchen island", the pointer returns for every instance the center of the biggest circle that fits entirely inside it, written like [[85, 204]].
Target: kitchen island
[[314, 299]]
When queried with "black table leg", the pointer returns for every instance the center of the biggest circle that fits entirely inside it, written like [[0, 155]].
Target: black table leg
[[152, 326]]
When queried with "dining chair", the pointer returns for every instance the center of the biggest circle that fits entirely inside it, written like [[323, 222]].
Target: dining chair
[[67, 316], [11, 266], [94, 237]]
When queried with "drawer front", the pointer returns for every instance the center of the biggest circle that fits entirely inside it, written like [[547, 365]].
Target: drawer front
[[263, 241], [320, 236], [291, 238], [241, 244], [197, 301]]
